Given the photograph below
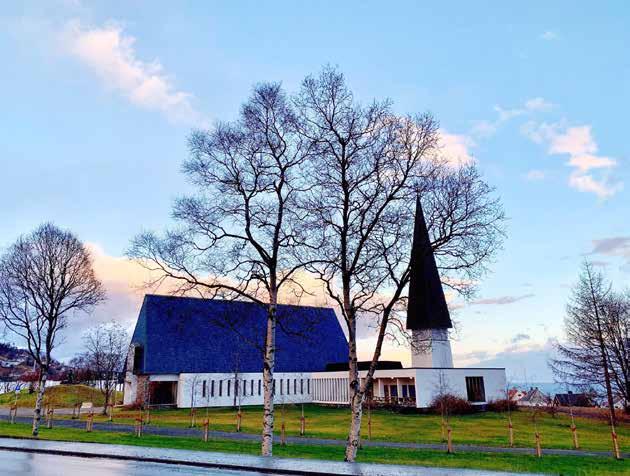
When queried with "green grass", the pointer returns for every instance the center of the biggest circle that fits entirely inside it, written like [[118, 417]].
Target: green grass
[[486, 428], [566, 465], [59, 396]]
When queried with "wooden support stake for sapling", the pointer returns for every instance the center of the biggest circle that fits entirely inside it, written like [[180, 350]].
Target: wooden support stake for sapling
[[193, 413], [449, 443], [239, 417], [283, 435], [511, 432], [49, 417], [302, 423], [538, 446], [206, 425], [576, 443], [147, 416], [13, 413], [89, 422]]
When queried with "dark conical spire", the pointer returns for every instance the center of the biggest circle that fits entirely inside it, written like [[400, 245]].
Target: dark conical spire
[[427, 307]]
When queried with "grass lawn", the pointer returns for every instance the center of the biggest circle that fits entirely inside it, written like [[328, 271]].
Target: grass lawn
[[566, 465], [486, 428], [59, 396]]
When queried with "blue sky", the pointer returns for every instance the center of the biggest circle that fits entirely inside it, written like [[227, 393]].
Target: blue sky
[[99, 97]]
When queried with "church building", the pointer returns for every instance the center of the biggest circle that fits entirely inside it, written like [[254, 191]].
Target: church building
[[189, 352]]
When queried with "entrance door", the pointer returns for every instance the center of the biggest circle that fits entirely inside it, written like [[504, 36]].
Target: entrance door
[[163, 393]]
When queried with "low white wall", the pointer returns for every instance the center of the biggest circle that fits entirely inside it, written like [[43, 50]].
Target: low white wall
[[190, 389], [453, 381]]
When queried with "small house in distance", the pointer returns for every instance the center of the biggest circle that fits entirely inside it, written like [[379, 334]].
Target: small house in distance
[[534, 398], [571, 399], [190, 352]]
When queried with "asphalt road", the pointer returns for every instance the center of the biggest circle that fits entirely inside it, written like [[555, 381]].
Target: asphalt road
[[14, 463]]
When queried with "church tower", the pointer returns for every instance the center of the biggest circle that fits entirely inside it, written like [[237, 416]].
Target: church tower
[[427, 313]]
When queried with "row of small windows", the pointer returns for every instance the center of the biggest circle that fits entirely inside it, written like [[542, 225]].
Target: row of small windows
[[250, 388]]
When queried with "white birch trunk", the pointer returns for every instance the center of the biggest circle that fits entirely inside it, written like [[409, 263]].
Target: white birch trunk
[[268, 368], [37, 414], [356, 397]]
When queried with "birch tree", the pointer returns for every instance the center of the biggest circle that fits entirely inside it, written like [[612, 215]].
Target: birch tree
[[106, 350], [239, 236], [45, 277], [370, 167]]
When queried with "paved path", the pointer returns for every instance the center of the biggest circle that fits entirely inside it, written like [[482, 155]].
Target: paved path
[[218, 461], [197, 433]]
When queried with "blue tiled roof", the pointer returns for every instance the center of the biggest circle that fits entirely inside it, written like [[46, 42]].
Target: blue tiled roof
[[188, 335]]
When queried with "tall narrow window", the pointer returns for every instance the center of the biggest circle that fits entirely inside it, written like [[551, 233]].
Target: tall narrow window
[[294, 386], [475, 389], [259, 385], [252, 389], [212, 388], [203, 389], [229, 387], [220, 388], [308, 386], [244, 388], [281, 387]]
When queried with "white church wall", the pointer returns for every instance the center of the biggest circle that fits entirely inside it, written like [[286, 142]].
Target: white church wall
[[431, 382], [219, 389]]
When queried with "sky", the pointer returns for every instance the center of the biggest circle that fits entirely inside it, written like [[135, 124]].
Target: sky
[[98, 99]]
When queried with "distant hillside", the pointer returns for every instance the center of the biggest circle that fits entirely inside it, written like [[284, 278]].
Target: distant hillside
[[15, 362]]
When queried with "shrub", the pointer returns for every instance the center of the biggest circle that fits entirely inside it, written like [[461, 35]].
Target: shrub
[[501, 405], [452, 405]]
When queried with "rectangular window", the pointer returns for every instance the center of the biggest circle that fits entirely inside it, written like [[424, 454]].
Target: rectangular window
[[203, 390], [475, 389], [259, 385], [220, 388], [412, 391], [212, 388], [281, 388], [308, 386], [252, 389], [273, 387], [302, 386], [294, 386], [244, 388], [229, 387], [288, 386]]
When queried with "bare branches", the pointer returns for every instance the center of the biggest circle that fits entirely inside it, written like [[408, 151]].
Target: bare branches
[[43, 277], [596, 354]]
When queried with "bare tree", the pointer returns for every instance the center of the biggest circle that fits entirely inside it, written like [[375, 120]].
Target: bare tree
[[44, 277], [369, 169], [584, 360], [106, 350], [239, 236], [617, 330]]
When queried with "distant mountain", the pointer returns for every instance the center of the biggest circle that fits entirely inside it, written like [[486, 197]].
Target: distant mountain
[[16, 362]]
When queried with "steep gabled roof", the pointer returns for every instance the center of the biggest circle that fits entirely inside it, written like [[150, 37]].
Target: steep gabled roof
[[426, 308], [190, 335]]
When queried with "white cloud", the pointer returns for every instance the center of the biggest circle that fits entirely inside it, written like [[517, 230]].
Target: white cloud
[[109, 53], [548, 35], [538, 104], [531, 106], [578, 143], [456, 148]]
